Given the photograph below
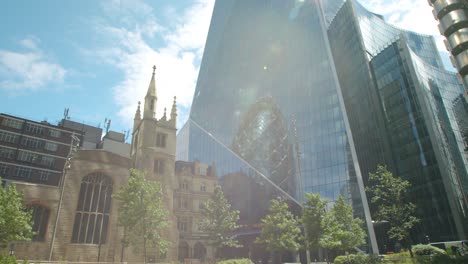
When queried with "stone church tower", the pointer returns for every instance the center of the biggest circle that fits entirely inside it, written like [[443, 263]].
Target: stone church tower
[[153, 152]]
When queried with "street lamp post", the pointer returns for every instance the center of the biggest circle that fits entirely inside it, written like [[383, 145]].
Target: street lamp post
[[74, 144], [301, 189]]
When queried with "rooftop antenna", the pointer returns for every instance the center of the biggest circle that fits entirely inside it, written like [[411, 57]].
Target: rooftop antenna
[[65, 113], [127, 134], [107, 123]]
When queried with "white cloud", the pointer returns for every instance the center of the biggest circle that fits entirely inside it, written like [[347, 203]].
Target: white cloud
[[413, 15], [176, 59], [28, 70]]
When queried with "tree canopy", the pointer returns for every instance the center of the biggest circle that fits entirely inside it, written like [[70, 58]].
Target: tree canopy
[[15, 218], [341, 231], [219, 220], [312, 217], [280, 229], [387, 194], [142, 213]]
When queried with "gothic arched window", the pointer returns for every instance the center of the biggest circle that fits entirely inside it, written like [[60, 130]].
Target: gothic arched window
[[40, 217], [92, 212]]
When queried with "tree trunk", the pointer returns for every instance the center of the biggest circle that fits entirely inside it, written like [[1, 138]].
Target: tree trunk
[[408, 245], [144, 248], [123, 244]]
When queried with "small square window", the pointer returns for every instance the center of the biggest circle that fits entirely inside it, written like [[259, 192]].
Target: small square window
[[24, 172], [54, 133], [51, 146], [159, 166], [161, 139], [44, 176]]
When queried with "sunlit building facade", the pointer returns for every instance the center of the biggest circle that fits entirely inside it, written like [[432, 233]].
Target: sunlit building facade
[[267, 72], [400, 103], [358, 91]]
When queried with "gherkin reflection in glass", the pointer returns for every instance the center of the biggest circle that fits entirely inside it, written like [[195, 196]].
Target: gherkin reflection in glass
[[263, 140]]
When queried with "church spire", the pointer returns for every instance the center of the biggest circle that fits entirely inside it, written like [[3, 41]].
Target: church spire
[[137, 118], [174, 112], [151, 98], [138, 112]]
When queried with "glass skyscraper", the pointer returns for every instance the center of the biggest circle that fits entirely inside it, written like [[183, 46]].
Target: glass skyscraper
[[267, 64], [272, 68], [399, 100]]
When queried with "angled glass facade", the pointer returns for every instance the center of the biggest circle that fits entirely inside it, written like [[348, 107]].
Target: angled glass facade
[[358, 91], [267, 64], [400, 105]]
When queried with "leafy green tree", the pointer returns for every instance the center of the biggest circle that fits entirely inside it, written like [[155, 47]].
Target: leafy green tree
[[312, 217], [280, 229], [341, 231], [219, 221], [387, 194], [15, 219], [142, 213]]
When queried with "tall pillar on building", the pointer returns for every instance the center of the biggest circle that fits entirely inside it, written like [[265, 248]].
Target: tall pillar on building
[[453, 24]]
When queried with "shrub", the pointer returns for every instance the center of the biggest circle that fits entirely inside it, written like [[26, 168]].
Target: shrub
[[236, 261], [357, 259], [427, 250], [7, 259]]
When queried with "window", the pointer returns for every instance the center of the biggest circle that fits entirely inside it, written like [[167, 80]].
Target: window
[[183, 185], [4, 169], [203, 187], [23, 172], [40, 217], [161, 140], [92, 213], [6, 153], [34, 129], [44, 176], [8, 137], [182, 226], [54, 133], [31, 142], [202, 170], [159, 166], [47, 161], [183, 203], [50, 146], [27, 156], [12, 123]]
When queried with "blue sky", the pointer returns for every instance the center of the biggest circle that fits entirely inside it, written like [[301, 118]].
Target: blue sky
[[95, 56]]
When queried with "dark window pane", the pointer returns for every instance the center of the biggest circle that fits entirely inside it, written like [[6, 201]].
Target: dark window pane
[[76, 228], [44, 223], [102, 199], [104, 229], [108, 200], [81, 197], [89, 193], [98, 229], [84, 225], [89, 234], [97, 188]]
